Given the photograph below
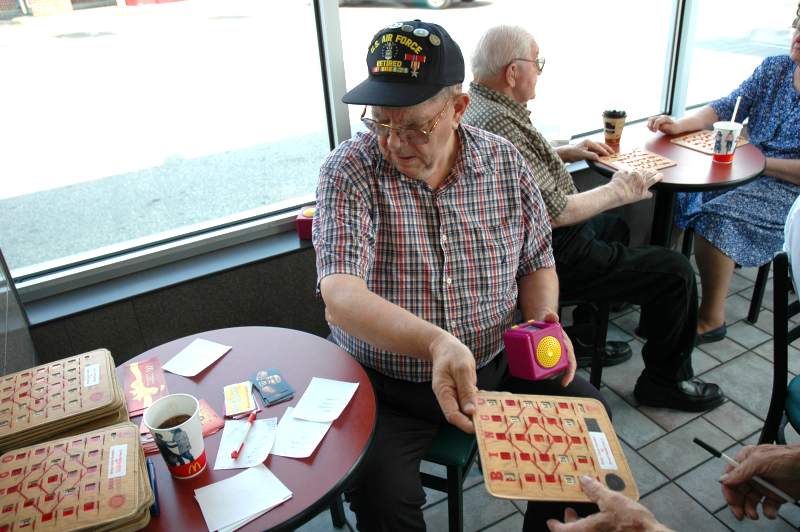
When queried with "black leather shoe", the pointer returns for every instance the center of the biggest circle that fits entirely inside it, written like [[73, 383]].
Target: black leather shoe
[[714, 335], [615, 353], [692, 395]]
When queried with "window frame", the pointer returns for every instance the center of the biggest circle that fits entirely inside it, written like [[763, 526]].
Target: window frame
[[72, 273]]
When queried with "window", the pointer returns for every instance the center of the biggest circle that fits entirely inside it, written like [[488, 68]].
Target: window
[[127, 125], [599, 55], [727, 41]]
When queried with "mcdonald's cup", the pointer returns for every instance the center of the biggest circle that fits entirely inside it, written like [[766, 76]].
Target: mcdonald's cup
[[174, 422]]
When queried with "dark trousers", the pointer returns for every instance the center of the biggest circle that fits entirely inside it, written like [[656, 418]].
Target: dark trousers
[[594, 262], [387, 495]]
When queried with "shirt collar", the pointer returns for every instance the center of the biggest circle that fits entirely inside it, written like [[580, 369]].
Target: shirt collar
[[500, 98]]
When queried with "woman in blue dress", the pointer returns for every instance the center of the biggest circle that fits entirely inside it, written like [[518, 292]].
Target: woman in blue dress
[[744, 225]]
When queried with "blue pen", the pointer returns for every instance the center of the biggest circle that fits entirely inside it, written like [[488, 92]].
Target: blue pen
[[151, 472]]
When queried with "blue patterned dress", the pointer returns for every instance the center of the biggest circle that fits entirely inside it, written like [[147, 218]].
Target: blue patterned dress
[[746, 222]]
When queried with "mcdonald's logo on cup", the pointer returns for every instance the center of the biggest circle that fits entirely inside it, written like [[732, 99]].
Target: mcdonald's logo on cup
[[174, 422]]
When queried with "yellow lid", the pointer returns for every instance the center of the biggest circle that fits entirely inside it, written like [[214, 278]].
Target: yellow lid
[[548, 352], [309, 212]]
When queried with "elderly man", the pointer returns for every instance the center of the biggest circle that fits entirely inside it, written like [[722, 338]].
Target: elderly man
[[428, 234], [591, 252]]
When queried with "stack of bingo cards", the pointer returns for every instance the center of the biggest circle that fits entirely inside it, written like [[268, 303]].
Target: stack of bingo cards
[[536, 447], [70, 396], [96, 480]]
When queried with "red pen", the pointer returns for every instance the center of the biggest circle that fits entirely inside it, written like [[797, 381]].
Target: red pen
[[250, 419]]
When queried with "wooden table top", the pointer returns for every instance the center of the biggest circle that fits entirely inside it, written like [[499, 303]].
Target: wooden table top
[[299, 356], [695, 171]]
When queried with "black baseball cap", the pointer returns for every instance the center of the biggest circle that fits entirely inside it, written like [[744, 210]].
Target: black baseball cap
[[408, 62]]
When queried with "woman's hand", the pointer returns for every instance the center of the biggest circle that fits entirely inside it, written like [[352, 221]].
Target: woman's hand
[[664, 124]]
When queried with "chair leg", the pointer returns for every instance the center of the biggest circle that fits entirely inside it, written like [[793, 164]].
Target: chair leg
[[600, 332], [455, 498], [688, 240], [758, 293], [337, 512]]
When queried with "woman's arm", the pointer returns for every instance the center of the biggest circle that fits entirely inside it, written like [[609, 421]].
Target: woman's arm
[[785, 169], [702, 119]]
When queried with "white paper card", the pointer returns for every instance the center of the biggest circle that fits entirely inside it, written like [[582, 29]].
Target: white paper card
[[297, 438], [195, 357], [257, 445], [91, 375], [324, 399], [605, 458], [118, 461], [240, 498]]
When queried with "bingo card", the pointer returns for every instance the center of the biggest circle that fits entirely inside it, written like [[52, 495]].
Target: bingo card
[[637, 159], [76, 393], [95, 480], [702, 141], [536, 447]]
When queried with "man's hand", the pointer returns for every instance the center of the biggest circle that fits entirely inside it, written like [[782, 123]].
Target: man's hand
[[630, 187], [454, 380], [586, 150], [665, 124], [569, 374], [777, 464], [617, 513]]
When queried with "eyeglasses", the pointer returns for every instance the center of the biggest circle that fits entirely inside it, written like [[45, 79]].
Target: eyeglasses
[[538, 61], [406, 134]]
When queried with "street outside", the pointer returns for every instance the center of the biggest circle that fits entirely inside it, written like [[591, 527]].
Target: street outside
[[123, 122]]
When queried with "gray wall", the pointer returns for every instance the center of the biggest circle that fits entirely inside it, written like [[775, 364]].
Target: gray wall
[[275, 292]]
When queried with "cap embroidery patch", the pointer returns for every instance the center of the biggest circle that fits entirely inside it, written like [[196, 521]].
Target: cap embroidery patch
[[416, 61]]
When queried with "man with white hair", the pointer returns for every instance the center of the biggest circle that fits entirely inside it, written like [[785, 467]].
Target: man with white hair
[[591, 249], [428, 235]]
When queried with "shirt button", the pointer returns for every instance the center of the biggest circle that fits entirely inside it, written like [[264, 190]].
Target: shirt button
[[449, 281], [452, 325], [444, 239]]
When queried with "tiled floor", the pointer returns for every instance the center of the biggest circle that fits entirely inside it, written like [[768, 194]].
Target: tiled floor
[[677, 479]]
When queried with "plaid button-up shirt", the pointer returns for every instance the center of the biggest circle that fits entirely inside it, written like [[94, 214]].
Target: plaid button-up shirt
[[451, 256], [496, 112]]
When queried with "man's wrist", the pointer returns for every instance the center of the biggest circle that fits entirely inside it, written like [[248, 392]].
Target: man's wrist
[[615, 196], [439, 338], [538, 314]]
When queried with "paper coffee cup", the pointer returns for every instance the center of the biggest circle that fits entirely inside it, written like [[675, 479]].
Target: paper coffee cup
[[725, 136], [613, 122], [174, 422]]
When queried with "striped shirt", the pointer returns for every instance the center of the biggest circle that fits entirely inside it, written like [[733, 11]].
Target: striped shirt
[[496, 112], [451, 256]]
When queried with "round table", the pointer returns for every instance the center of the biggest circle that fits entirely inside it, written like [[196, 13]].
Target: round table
[[694, 172], [299, 356]]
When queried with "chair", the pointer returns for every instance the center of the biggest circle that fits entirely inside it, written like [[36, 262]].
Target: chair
[[758, 288], [598, 328], [785, 402], [456, 451]]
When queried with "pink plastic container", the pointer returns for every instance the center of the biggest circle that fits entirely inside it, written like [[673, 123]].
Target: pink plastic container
[[303, 223], [536, 350]]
